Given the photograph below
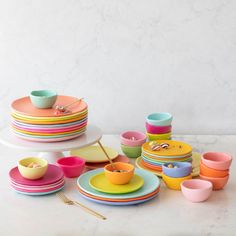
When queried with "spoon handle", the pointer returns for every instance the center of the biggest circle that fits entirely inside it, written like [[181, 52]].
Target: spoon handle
[[78, 100]]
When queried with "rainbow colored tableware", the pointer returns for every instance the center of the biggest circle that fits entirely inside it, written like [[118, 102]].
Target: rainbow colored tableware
[[174, 183], [131, 152], [152, 129], [153, 137], [132, 138]]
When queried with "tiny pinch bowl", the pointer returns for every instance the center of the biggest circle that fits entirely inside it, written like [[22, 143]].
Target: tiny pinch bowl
[[71, 166], [119, 177], [209, 172], [133, 138], [217, 160], [30, 172], [159, 119], [174, 183], [184, 169], [43, 98], [152, 129], [218, 183], [196, 190]]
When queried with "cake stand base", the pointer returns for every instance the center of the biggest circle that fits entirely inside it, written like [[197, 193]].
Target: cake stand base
[[50, 156]]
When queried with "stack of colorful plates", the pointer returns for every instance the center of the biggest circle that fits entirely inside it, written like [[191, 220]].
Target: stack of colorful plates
[[94, 186], [153, 160], [47, 125], [52, 181], [95, 157]]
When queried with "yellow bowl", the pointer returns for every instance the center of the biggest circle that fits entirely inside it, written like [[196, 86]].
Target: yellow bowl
[[153, 137], [174, 183], [32, 173]]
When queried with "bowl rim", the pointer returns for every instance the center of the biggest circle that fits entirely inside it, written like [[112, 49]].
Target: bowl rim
[[203, 165], [185, 163], [53, 93], [178, 178], [126, 164], [213, 178], [159, 135], [29, 168], [136, 140], [219, 162], [197, 180], [82, 161], [169, 116]]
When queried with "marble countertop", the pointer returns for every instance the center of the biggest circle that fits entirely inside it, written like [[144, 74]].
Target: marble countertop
[[169, 214]]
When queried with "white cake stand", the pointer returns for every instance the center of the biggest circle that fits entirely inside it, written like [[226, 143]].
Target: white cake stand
[[51, 151]]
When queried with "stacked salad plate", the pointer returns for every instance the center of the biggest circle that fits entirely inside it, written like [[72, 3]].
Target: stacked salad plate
[[152, 160], [94, 186], [53, 181], [47, 125]]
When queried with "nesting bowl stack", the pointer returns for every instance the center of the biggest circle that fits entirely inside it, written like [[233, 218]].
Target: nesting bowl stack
[[214, 167], [158, 126]]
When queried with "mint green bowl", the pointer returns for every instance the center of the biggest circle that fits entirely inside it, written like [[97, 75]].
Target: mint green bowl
[[43, 98], [131, 152]]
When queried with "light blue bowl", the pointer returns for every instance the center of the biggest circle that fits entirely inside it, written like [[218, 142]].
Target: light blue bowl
[[43, 98], [159, 119], [184, 169]]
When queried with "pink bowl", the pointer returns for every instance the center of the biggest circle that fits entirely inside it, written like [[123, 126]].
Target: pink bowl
[[71, 166], [133, 138], [196, 190], [152, 129], [217, 160], [218, 183]]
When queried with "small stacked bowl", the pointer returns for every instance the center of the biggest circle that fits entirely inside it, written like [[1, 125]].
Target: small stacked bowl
[[214, 167], [175, 173], [131, 143], [158, 126]]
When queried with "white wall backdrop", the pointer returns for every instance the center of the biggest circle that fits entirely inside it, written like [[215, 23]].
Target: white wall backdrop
[[128, 58]]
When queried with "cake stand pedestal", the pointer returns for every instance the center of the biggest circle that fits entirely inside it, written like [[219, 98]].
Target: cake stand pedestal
[[52, 151]]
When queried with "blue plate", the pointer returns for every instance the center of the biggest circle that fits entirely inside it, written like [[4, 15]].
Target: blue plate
[[39, 194], [151, 183], [120, 203]]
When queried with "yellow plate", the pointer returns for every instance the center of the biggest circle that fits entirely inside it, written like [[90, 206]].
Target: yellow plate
[[94, 154], [196, 157], [100, 183], [175, 148]]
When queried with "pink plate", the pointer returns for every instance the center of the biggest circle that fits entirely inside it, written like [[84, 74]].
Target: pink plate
[[92, 166], [53, 174], [25, 107], [38, 190]]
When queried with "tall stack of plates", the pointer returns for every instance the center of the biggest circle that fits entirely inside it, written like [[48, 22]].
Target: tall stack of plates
[[153, 160], [52, 181], [94, 186], [48, 125]]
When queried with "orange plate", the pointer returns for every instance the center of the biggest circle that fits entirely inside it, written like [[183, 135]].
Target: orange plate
[[151, 166], [119, 200], [25, 107]]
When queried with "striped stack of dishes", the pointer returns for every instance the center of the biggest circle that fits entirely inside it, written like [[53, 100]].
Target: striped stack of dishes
[[53, 181], [157, 153], [48, 125], [158, 126]]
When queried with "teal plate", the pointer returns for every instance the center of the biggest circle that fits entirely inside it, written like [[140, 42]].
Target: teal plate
[[151, 183]]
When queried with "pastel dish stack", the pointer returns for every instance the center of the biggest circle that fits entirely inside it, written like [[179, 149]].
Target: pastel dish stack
[[175, 173], [131, 143], [48, 125], [52, 181], [152, 160], [158, 126], [95, 158], [214, 167], [95, 186]]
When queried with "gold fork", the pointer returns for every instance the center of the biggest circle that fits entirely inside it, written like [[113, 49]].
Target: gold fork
[[68, 201]]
